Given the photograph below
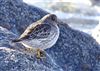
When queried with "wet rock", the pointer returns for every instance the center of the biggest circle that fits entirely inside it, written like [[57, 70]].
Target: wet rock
[[74, 50]]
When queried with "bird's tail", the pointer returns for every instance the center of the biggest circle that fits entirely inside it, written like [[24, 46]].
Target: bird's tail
[[16, 40]]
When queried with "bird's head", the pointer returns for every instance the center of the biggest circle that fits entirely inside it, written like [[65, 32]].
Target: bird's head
[[52, 17], [49, 19]]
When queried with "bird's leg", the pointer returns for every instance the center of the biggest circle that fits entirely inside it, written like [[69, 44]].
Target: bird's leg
[[29, 51], [40, 54]]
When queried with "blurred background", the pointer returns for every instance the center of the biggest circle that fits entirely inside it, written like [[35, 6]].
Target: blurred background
[[83, 15]]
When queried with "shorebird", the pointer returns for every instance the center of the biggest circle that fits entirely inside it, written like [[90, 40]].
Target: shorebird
[[40, 35]]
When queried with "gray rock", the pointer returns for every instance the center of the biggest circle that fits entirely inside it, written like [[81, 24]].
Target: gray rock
[[16, 14], [74, 50]]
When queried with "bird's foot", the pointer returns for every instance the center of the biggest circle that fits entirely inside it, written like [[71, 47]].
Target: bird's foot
[[40, 54]]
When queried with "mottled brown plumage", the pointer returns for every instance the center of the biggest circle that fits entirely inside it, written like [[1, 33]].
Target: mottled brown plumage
[[40, 35]]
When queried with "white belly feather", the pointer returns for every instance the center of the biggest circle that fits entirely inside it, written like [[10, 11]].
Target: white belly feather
[[43, 43]]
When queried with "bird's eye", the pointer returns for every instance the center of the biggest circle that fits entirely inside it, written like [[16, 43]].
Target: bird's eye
[[53, 17]]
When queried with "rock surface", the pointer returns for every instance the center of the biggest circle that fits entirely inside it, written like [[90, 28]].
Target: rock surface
[[16, 14], [74, 50]]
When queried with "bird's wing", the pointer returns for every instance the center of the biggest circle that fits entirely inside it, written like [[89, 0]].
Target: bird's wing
[[28, 31], [39, 31]]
